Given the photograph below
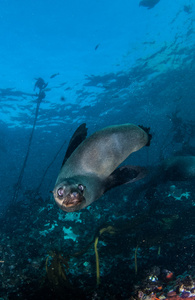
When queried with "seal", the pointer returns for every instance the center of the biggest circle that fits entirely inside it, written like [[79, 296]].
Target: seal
[[178, 168], [91, 169]]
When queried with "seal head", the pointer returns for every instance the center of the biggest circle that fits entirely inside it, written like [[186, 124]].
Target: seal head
[[69, 195]]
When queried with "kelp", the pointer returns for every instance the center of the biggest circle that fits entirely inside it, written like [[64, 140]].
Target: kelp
[[40, 97], [110, 230], [56, 270]]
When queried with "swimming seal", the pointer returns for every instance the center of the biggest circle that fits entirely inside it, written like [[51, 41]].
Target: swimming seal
[[178, 168], [90, 170]]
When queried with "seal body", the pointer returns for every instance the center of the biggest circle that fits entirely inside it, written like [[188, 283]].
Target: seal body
[[91, 169]]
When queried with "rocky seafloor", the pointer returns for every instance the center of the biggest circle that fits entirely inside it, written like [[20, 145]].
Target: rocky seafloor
[[133, 243]]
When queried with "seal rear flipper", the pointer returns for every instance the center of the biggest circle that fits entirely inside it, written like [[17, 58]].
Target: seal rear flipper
[[124, 175], [77, 138], [147, 130]]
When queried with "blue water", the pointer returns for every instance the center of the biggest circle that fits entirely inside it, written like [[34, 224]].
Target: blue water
[[141, 72], [113, 62]]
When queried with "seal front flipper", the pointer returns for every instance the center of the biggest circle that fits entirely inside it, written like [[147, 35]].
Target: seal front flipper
[[123, 175], [77, 138]]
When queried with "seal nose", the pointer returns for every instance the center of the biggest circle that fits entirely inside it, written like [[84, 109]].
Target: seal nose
[[75, 194], [60, 192]]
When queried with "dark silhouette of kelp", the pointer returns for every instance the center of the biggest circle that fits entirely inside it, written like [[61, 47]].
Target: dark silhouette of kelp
[[40, 97]]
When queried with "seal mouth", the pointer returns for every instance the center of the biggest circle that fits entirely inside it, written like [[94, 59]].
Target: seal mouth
[[71, 202], [72, 199]]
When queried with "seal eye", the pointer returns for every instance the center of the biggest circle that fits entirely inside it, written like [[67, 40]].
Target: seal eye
[[60, 192], [81, 187]]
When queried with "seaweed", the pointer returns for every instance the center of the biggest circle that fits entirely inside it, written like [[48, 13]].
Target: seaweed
[[110, 230], [40, 97], [56, 271]]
